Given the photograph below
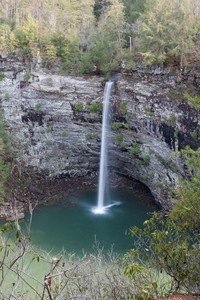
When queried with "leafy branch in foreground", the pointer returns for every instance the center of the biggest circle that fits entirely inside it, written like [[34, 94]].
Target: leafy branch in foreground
[[169, 243], [4, 165], [92, 276]]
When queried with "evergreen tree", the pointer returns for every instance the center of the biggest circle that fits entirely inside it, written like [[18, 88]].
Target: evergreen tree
[[106, 44], [7, 38], [167, 28]]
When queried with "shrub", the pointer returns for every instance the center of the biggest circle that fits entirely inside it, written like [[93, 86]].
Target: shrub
[[135, 149], [4, 165], [162, 245], [94, 107], [148, 176], [159, 185], [64, 133], [38, 106], [49, 129], [172, 120], [27, 77], [79, 106], [119, 137], [2, 76], [6, 97], [48, 142], [194, 134], [123, 108], [146, 160], [122, 146], [118, 125], [193, 100], [148, 111], [91, 136]]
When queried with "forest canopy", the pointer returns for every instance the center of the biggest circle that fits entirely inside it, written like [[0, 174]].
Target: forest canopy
[[88, 36]]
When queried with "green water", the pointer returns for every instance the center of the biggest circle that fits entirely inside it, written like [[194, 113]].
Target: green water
[[75, 228]]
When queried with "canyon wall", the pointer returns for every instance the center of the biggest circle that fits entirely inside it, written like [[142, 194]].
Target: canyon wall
[[54, 125]]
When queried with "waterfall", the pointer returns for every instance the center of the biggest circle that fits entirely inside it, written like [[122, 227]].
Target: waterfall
[[103, 158]]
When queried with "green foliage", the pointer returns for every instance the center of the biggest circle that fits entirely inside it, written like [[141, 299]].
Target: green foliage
[[146, 160], [194, 134], [169, 242], [159, 185], [133, 9], [6, 97], [49, 129], [91, 136], [172, 165], [7, 38], [38, 106], [108, 35], [162, 245], [79, 106], [94, 107], [123, 108], [148, 111], [123, 146], [48, 142], [148, 176], [84, 37], [4, 165], [119, 137], [172, 120], [2, 76], [50, 54], [64, 133], [118, 125], [189, 192], [193, 100], [27, 77], [27, 37], [135, 149], [169, 163], [167, 28]]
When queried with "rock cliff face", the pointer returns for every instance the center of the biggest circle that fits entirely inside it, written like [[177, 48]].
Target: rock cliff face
[[54, 123]]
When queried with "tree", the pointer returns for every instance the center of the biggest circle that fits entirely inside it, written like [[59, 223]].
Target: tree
[[133, 9], [4, 164], [183, 26], [167, 28], [169, 242], [7, 38], [27, 37], [188, 194], [107, 41]]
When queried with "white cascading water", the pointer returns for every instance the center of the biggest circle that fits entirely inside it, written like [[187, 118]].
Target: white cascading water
[[100, 209]]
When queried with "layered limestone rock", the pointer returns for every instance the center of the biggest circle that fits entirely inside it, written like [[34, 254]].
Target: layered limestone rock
[[54, 125]]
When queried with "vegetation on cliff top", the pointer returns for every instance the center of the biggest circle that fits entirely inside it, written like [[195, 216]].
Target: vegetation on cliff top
[[99, 36]]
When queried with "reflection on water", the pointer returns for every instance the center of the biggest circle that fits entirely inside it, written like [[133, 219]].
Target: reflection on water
[[75, 227]]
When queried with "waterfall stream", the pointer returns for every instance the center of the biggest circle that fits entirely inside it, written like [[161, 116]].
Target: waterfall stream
[[100, 209]]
